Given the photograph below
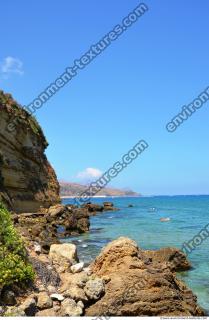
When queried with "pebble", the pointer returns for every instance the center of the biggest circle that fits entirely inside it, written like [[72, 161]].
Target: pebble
[[57, 296]]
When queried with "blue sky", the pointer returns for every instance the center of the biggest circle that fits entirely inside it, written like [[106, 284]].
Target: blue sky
[[127, 93]]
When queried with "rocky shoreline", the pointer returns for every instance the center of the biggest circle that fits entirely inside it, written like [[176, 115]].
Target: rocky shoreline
[[48, 226], [124, 280]]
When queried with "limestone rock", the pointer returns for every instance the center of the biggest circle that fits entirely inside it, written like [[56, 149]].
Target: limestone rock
[[110, 257], [44, 301], [77, 267], [70, 308], [63, 255], [75, 293], [77, 279], [172, 257], [56, 211], [140, 286], [94, 289]]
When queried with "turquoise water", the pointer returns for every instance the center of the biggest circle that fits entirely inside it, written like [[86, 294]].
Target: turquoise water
[[188, 215]]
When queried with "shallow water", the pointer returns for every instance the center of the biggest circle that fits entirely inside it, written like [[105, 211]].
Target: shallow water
[[188, 215]]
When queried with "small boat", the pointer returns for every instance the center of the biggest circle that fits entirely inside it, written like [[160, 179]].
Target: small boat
[[152, 210], [165, 219]]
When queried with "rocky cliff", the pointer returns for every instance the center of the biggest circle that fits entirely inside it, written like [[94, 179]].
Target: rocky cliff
[[27, 180]]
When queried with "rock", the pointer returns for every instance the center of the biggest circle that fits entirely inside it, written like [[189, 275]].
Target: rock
[[70, 308], [47, 313], [88, 271], [51, 289], [130, 206], [110, 257], [80, 304], [56, 296], [8, 297], [94, 289], [83, 225], [56, 308], [77, 267], [77, 279], [48, 276], [175, 259], [37, 248], [56, 211], [27, 179], [93, 207], [75, 293], [29, 307], [139, 285], [14, 312], [108, 204], [63, 255], [165, 219], [35, 230], [44, 301], [43, 228]]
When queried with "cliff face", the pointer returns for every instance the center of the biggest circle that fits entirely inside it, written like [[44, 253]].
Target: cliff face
[[27, 180]]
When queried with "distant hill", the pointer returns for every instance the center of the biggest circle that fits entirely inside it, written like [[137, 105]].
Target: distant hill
[[70, 189]]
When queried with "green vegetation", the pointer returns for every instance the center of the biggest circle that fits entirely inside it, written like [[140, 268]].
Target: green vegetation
[[20, 113], [14, 267]]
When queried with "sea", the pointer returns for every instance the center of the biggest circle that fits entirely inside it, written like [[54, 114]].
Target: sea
[[188, 215]]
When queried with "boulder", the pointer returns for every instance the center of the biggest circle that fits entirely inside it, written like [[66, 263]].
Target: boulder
[[56, 211], [94, 289], [77, 279], [175, 259], [44, 301], [75, 293], [110, 257], [83, 225], [93, 208], [139, 286], [69, 308], [63, 255], [109, 206]]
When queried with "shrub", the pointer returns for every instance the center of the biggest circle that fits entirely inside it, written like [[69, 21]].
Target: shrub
[[14, 266]]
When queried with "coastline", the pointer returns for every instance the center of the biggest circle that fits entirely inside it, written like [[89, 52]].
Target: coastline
[[72, 197], [102, 196]]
